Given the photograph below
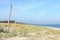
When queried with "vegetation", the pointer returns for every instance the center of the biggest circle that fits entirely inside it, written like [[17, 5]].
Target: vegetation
[[24, 30]]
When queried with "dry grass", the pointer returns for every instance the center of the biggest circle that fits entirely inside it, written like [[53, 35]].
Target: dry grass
[[31, 32]]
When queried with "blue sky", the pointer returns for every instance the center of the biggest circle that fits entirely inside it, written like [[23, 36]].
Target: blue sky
[[32, 11]]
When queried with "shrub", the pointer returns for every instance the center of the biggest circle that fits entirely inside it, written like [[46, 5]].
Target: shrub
[[1, 30]]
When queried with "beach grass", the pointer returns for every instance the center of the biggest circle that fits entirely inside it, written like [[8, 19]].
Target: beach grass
[[28, 30]]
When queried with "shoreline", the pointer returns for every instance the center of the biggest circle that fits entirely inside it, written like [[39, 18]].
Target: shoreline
[[55, 28]]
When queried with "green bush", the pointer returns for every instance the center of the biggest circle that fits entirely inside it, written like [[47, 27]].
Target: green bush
[[1, 30]]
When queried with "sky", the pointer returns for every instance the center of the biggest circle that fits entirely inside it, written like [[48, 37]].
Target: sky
[[31, 11]]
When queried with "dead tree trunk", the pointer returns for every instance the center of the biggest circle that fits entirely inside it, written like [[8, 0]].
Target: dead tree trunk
[[9, 16]]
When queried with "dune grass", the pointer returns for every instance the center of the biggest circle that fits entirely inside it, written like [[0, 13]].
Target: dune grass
[[27, 30]]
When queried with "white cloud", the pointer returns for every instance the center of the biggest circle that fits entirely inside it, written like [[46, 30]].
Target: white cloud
[[43, 12]]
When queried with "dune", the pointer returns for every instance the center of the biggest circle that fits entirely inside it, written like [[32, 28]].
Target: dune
[[30, 32]]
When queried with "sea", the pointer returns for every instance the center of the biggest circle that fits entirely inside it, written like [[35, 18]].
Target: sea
[[50, 25]]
